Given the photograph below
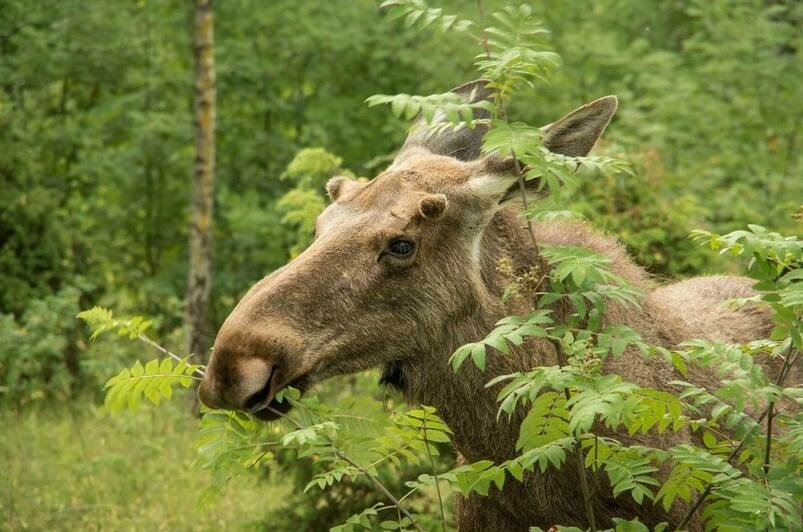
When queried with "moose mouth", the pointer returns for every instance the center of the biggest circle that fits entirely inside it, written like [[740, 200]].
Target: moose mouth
[[270, 410]]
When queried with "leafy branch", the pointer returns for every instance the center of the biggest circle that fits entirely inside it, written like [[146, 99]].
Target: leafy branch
[[372, 478], [154, 380]]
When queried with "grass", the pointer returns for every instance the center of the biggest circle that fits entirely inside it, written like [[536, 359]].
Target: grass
[[75, 467]]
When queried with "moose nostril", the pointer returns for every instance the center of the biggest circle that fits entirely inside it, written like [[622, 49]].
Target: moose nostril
[[261, 396]]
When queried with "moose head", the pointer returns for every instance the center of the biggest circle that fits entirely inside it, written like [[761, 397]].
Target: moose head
[[397, 275]]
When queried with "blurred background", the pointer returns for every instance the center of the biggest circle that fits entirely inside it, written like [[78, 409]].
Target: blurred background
[[97, 145]]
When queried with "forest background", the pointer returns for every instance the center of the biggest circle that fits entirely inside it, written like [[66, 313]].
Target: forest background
[[96, 162]]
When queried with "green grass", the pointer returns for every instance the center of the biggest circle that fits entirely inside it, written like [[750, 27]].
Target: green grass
[[75, 467]]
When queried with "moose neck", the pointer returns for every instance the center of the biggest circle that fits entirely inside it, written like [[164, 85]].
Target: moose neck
[[461, 397]]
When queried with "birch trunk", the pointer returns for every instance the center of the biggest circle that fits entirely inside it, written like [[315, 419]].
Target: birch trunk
[[200, 267]]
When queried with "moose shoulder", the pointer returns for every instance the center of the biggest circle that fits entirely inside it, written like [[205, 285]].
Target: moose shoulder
[[403, 271]]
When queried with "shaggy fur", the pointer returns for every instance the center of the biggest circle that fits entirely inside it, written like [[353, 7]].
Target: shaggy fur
[[346, 305]]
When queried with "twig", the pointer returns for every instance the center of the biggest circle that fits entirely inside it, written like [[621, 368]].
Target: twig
[[484, 37], [768, 445], [581, 470], [596, 456], [380, 460], [434, 474], [787, 364], [259, 459], [523, 191], [561, 359], [380, 487], [361, 469], [285, 416], [162, 350]]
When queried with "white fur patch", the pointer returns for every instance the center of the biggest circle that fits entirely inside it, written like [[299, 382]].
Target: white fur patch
[[476, 249], [490, 186]]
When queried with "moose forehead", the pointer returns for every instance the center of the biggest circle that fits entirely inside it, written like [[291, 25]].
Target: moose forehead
[[395, 192]]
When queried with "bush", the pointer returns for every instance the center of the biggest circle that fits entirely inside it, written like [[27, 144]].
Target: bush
[[38, 356]]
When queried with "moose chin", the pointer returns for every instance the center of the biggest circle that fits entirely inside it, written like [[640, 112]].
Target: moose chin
[[403, 271]]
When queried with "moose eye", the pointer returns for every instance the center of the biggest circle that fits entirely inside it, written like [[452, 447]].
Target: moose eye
[[401, 247]]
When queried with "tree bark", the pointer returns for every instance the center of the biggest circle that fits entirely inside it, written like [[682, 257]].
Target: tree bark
[[200, 266]]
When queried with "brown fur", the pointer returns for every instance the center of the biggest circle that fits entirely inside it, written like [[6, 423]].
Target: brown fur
[[345, 305]]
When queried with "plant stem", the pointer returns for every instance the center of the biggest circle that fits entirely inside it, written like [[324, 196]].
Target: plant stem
[[768, 445], [435, 475], [581, 470], [380, 487], [561, 359], [523, 191], [162, 350], [361, 469], [380, 460], [788, 361], [484, 38]]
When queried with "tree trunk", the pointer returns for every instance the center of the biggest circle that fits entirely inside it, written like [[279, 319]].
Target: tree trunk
[[200, 267]]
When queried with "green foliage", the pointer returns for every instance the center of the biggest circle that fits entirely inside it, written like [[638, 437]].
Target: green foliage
[[311, 168], [569, 403], [301, 206], [229, 444], [515, 52], [101, 320], [155, 381], [94, 165], [776, 262], [692, 469], [771, 253], [417, 14], [546, 422], [582, 277], [731, 64], [37, 361], [453, 107], [362, 520]]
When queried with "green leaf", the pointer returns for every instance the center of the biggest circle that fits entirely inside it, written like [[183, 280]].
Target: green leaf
[[154, 381]]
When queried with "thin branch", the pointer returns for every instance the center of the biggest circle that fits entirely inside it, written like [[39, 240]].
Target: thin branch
[[408, 494], [768, 444], [787, 364], [259, 458], [523, 191], [164, 351], [581, 472], [483, 36], [434, 474], [380, 487], [561, 359], [596, 456], [361, 469], [380, 460]]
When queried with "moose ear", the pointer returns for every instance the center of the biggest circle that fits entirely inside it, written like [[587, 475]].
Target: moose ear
[[576, 133], [496, 180], [463, 144]]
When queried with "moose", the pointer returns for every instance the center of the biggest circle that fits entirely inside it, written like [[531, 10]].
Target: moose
[[403, 271]]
